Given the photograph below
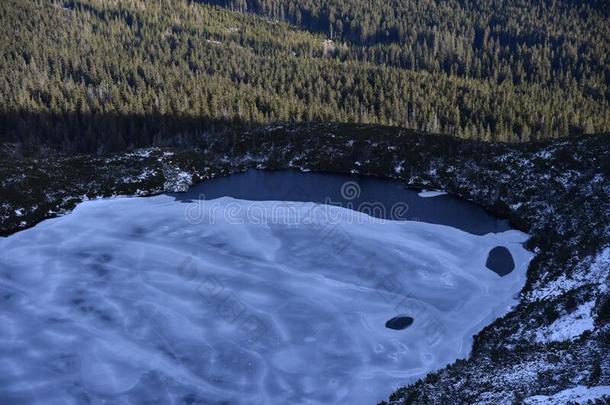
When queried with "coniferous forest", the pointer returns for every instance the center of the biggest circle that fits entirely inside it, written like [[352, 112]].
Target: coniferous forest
[[99, 75]]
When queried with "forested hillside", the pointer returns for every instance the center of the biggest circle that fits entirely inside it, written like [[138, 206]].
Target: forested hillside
[[540, 40], [95, 75]]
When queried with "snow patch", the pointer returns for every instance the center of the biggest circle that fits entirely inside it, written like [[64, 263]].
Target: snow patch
[[578, 394], [569, 326], [400, 167], [595, 271], [177, 180], [431, 193]]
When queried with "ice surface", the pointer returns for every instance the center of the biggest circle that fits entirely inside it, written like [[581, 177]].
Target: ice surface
[[126, 301]]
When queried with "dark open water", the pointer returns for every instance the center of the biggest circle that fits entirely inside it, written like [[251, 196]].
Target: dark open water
[[381, 198]]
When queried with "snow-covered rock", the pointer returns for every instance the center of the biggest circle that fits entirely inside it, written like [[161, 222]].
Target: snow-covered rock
[[569, 326], [579, 394]]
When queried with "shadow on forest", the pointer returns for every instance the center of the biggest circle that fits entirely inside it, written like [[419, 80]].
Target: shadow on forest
[[36, 133]]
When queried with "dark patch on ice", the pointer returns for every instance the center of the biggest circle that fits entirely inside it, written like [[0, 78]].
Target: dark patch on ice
[[168, 353], [138, 231], [99, 270], [104, 316], [399, 322], [104, 258], [64, 363], [219, 245], [53, 321], [85, 306], [500, 261]]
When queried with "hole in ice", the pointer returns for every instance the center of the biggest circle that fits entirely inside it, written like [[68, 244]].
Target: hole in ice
[[500, 261], [399, 322]]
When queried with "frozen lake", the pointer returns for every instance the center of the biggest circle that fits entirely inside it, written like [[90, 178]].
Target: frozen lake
[[247, 299]]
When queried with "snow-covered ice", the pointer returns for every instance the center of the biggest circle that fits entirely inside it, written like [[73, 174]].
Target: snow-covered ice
[[124, 300]]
